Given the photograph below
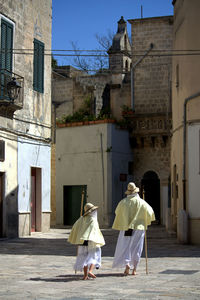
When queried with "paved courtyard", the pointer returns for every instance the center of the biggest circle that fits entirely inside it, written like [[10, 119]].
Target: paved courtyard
[[40, 267]]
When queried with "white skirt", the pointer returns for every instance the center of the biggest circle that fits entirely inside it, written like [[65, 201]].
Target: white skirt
[[87, 256], [128, 249]]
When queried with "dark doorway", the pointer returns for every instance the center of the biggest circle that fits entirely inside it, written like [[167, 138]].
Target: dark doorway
[[72, 196], [1, 203], [106, 101], [35, 199], [151, 187]]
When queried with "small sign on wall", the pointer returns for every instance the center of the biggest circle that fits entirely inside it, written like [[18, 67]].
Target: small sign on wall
[[123, 177]]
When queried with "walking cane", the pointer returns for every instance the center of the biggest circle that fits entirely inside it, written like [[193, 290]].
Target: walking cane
[[81, 211], [145, 237], [82, 199]]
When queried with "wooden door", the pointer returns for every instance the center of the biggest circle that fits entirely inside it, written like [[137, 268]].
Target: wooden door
[[33, 199]]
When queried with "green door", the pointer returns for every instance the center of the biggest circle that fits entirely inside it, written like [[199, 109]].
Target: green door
[[72, 196]]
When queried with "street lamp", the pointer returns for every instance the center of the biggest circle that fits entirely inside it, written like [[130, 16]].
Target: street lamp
[[13, 88]]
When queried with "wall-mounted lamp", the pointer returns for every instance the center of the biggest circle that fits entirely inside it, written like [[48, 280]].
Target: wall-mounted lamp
[[13, 88]]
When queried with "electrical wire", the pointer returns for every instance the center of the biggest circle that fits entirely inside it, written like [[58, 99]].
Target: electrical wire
[[24, 141], [22, 134], [154, 53], [96, 50]]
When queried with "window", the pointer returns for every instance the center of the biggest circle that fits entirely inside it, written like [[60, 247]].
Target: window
[[6, 45], [38, 66], [125, 42], [6, 55]]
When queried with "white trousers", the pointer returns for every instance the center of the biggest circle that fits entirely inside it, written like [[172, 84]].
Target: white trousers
[[87, 256], [129, 249]]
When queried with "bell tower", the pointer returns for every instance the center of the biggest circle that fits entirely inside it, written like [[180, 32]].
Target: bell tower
[[120, 51]]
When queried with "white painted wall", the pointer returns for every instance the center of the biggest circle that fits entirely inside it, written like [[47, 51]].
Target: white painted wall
[[81, 161], [9, 168], [193, 134], [39, 156]]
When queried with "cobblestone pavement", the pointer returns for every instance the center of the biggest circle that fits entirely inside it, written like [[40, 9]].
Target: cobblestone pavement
[[40, 267]]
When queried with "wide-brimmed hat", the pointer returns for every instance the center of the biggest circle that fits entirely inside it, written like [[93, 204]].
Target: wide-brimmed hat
[[88, 208], [132, 188]]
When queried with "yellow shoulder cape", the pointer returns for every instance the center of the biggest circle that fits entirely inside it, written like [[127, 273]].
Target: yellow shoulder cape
[[86, 228], [133, 212]]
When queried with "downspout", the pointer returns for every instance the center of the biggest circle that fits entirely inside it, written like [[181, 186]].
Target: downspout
[[184, 145], [133, 73], [103, 175]]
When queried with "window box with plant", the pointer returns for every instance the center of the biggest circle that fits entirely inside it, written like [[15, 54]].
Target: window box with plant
[[127, 110]]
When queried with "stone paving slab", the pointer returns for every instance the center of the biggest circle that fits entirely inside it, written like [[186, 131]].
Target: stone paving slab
[[40, 267]]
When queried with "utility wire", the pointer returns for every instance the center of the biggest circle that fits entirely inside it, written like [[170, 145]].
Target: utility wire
[[154, 53], [96, 50]]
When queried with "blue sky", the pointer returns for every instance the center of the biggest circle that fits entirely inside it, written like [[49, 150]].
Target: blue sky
[[80, 20]]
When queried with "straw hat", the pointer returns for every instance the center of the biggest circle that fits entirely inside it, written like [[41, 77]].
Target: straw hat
[[88, 208], [132, 188]]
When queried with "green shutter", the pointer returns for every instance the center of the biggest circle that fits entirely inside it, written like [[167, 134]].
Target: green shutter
[[6, 45], [38, 66]]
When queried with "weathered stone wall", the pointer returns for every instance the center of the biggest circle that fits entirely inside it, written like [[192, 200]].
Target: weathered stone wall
[[153, 74], [70, 91], [95, 86], [152, 157], [62, 94], [120, 95], [151, 98]]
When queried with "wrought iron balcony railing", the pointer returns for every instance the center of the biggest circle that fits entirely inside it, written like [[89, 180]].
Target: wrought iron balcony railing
[[6, 85]]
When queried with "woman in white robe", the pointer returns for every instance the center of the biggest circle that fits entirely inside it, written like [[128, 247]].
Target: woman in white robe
[[133, 215], [86, 234], [128, 250]]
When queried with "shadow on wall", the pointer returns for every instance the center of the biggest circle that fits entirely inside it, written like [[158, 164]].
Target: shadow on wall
[[11, 214]]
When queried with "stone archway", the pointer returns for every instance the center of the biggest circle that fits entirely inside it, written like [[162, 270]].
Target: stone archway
[[151, 185]]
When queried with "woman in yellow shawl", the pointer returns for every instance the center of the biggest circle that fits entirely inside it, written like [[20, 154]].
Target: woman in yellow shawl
[[86, 234], [133, 215]]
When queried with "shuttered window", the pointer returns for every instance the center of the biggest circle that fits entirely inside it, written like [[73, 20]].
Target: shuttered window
[[38, 66], [6, 45]]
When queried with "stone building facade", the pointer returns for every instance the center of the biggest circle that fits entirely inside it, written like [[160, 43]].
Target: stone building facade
[[138, 82], [148, 94], [25, 118], [111, 147], [71, 86], [185, 155]]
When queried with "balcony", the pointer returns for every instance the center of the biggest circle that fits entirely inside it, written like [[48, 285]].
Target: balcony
[[9, 103]]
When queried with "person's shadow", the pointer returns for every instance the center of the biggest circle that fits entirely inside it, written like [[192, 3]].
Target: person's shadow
[[71, 277]]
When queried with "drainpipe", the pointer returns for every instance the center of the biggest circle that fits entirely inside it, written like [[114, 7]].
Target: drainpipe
[[132, 75], [103, 176], [184, 145]]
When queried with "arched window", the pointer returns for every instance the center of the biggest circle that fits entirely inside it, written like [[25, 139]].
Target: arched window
[[126, 66], [125, 42]]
